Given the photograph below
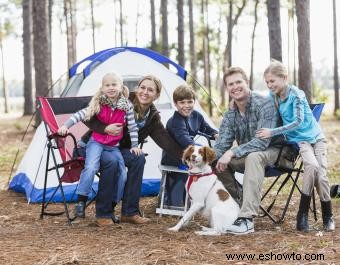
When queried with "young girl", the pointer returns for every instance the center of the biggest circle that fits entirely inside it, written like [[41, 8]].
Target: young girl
[[299, 125], [110, 105]]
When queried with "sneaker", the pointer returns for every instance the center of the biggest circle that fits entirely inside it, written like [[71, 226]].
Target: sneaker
[[79, 209], [134, 219], [241, 226]]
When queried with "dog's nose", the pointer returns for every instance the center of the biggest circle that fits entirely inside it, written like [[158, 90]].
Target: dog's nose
[[193, 157]]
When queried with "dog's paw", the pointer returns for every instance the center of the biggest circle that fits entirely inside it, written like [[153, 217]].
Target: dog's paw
[[173, 229]]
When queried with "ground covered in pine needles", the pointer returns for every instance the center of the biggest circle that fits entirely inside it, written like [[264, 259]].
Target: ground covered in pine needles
[[26, 239]]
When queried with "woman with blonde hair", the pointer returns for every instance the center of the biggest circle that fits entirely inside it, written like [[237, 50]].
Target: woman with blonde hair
[[149, 124]]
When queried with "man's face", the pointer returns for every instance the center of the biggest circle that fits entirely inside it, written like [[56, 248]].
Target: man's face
[[237, 87]]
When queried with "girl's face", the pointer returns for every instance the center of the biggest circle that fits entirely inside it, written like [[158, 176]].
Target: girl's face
[[275, 83], [146, 92], [111, 87]]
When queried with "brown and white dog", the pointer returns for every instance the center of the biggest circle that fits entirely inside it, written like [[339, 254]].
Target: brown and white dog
[[207, 193]]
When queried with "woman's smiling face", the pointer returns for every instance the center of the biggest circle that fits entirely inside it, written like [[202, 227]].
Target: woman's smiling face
[[146, 92]]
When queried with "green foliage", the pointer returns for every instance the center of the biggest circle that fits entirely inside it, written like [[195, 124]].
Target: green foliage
[[337, 114], [319, 94]]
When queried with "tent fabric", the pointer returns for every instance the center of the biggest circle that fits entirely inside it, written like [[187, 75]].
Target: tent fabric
[[131, 63]]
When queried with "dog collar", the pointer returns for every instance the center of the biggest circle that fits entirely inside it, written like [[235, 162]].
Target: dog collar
[[194, 177]]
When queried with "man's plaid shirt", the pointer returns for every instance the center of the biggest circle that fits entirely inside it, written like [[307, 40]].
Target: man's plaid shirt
[[260, 113]]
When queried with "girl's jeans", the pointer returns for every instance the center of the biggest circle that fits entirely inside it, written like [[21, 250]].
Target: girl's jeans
[[92, 163]]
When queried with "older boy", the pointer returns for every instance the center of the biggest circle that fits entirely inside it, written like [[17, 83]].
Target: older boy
[[183, 126]]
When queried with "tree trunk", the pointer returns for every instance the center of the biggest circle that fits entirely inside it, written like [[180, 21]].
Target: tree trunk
[[252, 46], [207, 55], [41, 48], [274, 27], [336, 74], [27, 51], [193, 61], [218, 82], [121, 22], [181, 56], [227, 62], [115, 21], [71, 32], [153, 26], [4, 87], [50, 8], [304, 49], [137, 21], [93, 27], [164, 14]]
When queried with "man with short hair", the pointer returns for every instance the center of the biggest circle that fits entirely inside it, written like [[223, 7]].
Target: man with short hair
[[248, 112]]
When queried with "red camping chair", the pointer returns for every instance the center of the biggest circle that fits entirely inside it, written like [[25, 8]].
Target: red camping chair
[[288, 174], [54, 111]]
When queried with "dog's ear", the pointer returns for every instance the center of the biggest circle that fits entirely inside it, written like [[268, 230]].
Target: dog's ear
[[208, 154], [187, 153]]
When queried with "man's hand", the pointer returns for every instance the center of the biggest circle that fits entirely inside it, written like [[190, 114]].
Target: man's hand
[[63, 130], [136, 151], [223, 162], [114, 129], [263, 133]]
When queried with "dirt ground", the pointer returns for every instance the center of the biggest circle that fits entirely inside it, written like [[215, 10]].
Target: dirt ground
[[26, 239]]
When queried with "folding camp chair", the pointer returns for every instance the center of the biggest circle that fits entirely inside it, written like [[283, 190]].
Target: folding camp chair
[[165, 170], [288, 174], [66, 168]]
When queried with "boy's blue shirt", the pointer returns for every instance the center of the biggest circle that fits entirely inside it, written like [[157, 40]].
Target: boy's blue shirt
[[184, 129], [298, 121]]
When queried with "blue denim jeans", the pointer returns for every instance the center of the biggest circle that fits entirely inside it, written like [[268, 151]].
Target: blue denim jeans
[[94, 151], [175, 189], [107, 186], [132, 191]]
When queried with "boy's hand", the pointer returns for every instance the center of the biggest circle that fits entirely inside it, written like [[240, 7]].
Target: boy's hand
[[136, 151], [63, 130]]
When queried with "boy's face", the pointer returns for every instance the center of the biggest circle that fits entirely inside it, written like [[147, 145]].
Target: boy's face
[[185, 107]]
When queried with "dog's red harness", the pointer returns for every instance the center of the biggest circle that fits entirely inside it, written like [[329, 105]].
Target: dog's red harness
[[194, 177]]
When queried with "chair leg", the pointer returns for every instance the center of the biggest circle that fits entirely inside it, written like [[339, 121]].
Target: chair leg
[[45, 183]]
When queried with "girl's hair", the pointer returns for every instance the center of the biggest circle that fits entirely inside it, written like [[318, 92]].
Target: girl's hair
[[94, 105], [183, 92], [158, 85], [276, 68]]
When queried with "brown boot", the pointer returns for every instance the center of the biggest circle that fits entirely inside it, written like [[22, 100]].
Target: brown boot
[[103, 222], [134, 219]]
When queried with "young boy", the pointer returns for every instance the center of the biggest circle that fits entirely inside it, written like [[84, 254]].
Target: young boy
[[183, 126]]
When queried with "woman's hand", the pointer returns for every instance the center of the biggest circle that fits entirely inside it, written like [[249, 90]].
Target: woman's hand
[[263, 133], [216, 136], [136, 151], [114, 129], [63, 130]]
